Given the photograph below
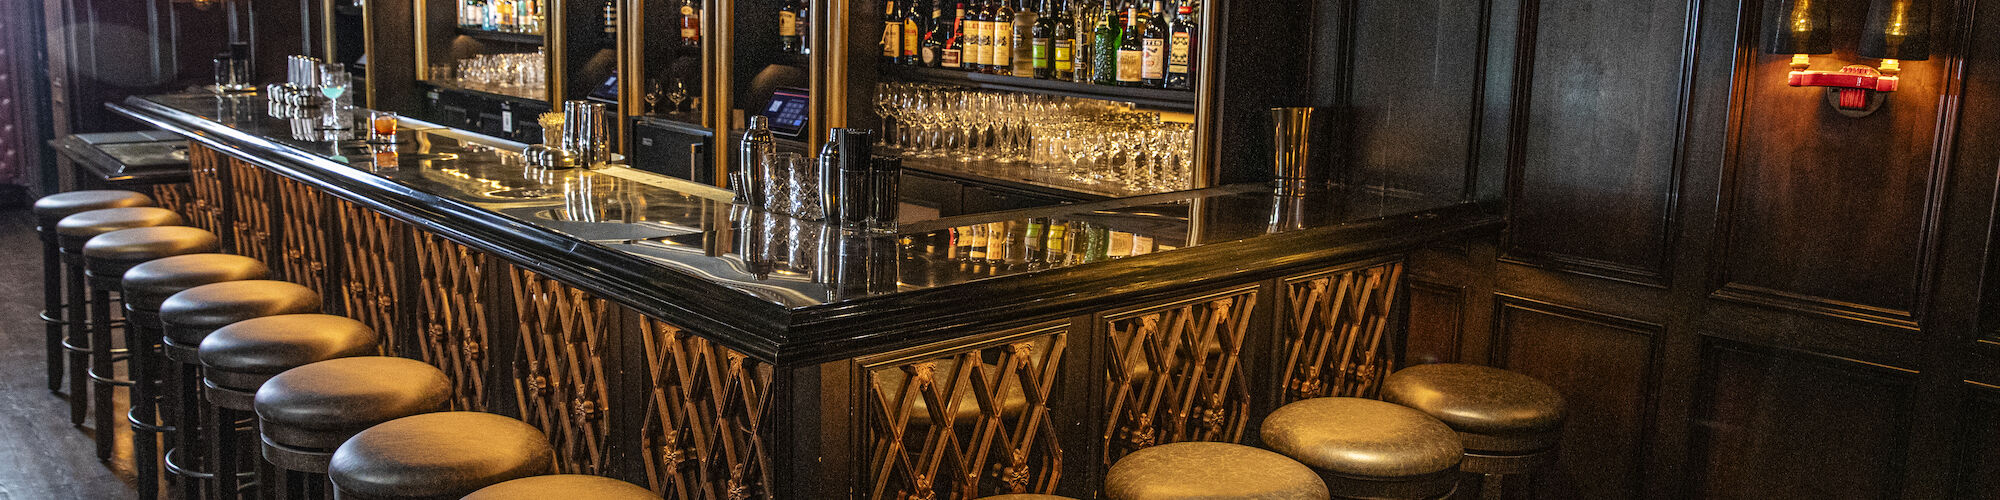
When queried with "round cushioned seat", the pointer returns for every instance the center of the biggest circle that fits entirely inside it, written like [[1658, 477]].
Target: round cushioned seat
[[149, 284], [564, 486], [73, 231], [1205, 470], [308, 411], [189, 316], [1495, 411], [53, 208], [1367, 448], [241, 356], [438, 456], [109, 255]]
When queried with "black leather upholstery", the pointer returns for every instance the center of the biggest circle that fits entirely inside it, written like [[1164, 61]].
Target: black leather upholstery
[[563, 486], [191, 314], [1362, 437], [1494, 410], [438, 456], [53, 208], [109, 255], [244, 354], [73, 231], [1204, 470], [320, 405], [148, 284]]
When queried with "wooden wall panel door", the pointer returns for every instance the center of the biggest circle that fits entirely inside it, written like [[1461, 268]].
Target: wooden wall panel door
[[1978, 473], [1603, 93], [1414, 92], [1604, 367], [1437, 320], [1784, 424]]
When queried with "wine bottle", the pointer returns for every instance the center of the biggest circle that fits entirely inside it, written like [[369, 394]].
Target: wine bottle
[[1062, 40], [1001, 62], [953, 55], [913, 29], [1044, 40], [690, 24], [1180, 50], [939, 34], [1083, 52], [788, 27], [1153, 55], [892, 33], [1131, 50], [1105, 42]]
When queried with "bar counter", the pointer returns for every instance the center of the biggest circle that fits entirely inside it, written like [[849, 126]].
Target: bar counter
[[661, 335]]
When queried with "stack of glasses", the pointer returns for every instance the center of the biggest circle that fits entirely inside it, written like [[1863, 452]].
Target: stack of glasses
[[1090, 142], [519, 75]]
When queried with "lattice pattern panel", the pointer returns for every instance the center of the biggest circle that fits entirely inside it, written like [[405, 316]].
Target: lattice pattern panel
[[560, 382], [176, 197], [250, 208], [1175, 373], [371, 246], [454, 334], [302, 228], [967, 422], [1333, 339], [704, 434], [205, 184]]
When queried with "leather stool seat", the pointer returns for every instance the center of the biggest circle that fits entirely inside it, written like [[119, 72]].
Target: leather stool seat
[[53, 208], [109, 255], [438, 456], [1365, 448], [563, 486], [1206, 470], [73, 231], [189, 316], [238, 358], [312, 409], [1495, 411], [149, 284]]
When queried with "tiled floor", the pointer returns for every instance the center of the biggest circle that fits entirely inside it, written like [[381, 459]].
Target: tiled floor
[[41, 455]]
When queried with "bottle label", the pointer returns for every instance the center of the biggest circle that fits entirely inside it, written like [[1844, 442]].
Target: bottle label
[[1062, 56], [910, 45], [1180, 53], [788, 24], [892, 39], [1003, 46], [951, 58], [975, 44], [690, 23], [1153, 59], [1128, 65], [1041, 53]]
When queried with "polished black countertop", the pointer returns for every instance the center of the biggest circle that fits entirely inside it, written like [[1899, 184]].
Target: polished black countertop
[[789, 290]]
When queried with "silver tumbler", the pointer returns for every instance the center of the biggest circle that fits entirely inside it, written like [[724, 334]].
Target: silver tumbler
[[1291, 136]]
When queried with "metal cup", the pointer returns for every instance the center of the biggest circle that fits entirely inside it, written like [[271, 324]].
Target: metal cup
[[1291, 136]]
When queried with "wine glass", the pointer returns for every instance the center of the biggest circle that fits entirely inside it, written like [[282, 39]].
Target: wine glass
[[334, 80], [679, 95], [653, 94]]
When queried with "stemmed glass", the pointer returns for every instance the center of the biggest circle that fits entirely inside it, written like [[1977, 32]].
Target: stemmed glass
[[885, 108], [333, 83]]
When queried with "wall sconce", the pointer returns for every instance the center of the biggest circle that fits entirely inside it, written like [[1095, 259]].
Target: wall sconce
[[1896, 31]]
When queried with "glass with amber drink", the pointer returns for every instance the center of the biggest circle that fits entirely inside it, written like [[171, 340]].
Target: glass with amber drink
[[382, 127]]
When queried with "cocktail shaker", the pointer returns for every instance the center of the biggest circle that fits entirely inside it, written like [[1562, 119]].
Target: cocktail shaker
[[756, 148], [1291, 136]]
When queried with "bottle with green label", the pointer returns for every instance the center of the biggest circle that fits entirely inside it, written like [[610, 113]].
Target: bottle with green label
[[1105, 43], [1043, 36]]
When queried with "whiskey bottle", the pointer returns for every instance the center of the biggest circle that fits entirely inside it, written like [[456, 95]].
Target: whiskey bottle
[[978, 32], [1001, 62], [690, 24], [788, 27]]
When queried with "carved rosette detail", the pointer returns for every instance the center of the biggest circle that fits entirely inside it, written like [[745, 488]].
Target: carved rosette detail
[[1175, 373], [965, 422], [561, 329], [1334, 338]]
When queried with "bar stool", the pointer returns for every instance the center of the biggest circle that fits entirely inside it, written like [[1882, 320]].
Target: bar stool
[[238, 358], [187, 318], [1205, 470], [146, 286], [564, 486], [71, 235], [105, 258], [1365, 448], [56, 315], [1510, 423], [307, 412], [437, 456]]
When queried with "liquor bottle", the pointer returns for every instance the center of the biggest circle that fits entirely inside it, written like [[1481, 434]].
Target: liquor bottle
[[953, 55], [1105, 42], [1131, 50], [1062, 42], [913, 28], [611, 20], [1153, 55], [979, 46], [1083, 52], [788, 27], [1044, 40], [937, 37], [1025, 21], [690, 24], [1180, 50], [1002, 60], [892, 33]]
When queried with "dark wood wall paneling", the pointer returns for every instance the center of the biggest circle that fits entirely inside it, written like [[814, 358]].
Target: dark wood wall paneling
[[1742, 293]]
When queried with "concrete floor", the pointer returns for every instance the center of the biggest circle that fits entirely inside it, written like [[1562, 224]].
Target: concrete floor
[[41, 455]]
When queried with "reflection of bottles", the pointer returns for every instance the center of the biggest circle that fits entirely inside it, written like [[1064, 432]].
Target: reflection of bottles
[[1057, 245], [975, 243]]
